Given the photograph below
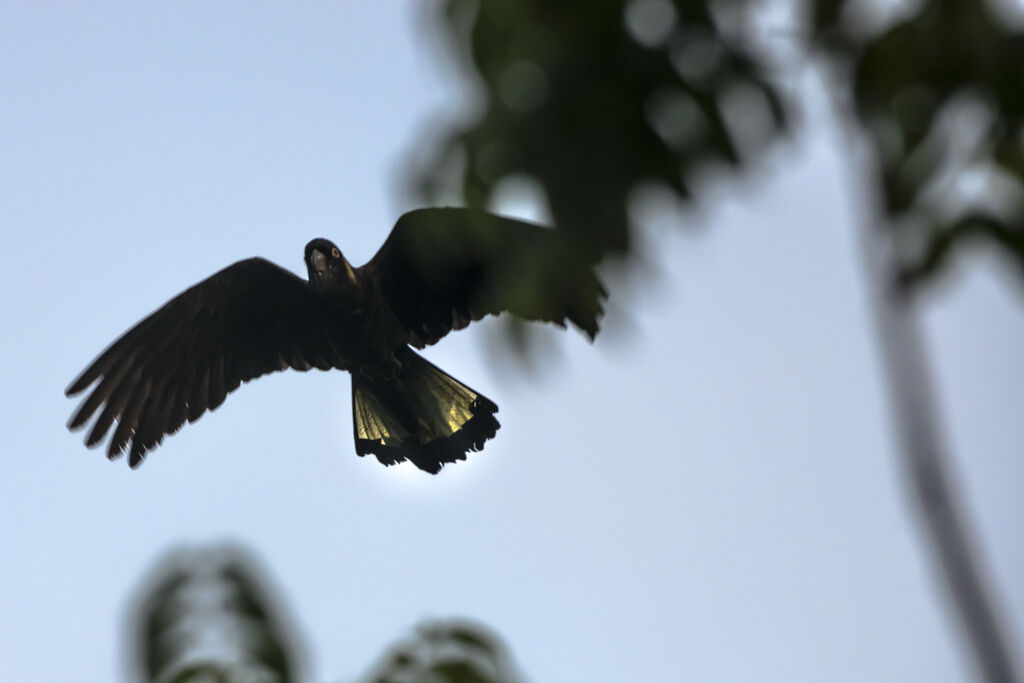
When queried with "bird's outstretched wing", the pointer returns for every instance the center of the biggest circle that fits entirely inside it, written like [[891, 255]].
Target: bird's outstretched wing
[[247, 320], [440, 269]]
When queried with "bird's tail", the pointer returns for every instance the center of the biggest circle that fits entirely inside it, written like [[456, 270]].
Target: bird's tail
[[430, 420]]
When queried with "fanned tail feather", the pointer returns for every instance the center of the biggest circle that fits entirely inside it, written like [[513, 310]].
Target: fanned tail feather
[[431, 420]]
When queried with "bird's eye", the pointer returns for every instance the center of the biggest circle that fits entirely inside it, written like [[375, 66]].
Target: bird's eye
[[335, 253]]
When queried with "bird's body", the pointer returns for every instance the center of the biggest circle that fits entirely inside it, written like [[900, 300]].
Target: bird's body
[[438, 270]]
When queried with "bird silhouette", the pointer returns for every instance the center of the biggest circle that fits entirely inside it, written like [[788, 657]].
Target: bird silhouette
[[438, 270]]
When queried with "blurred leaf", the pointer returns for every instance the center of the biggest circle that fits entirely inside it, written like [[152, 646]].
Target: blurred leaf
[[962, 231], [453, 651], [207, 618]]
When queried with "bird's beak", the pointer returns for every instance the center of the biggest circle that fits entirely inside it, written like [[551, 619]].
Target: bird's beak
[[319, 262]]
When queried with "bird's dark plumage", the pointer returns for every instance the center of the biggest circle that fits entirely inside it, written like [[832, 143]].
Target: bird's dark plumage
[[437, 271]]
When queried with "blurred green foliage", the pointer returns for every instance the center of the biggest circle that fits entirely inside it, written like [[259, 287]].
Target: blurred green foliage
[[593, 98], [453, 651], [939, 94], [206, 616]]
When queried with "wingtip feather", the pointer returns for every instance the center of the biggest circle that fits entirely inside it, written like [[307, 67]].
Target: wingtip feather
[[82, 382], [80, 417]]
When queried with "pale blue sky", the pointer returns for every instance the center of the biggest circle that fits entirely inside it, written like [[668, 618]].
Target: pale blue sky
[[710, 496]]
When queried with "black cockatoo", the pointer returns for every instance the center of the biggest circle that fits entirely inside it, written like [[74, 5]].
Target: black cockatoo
[[438, 270]]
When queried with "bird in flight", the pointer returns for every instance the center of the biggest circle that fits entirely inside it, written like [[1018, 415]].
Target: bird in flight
[[438, 270]]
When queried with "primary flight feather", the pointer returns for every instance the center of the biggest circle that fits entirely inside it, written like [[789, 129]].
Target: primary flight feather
[[438, 270]]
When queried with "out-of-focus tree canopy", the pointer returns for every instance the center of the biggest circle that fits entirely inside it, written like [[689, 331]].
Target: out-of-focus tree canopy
[[940, 96], [593, 98], [206, 616]]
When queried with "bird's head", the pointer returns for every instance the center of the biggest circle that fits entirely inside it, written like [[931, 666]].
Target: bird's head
[[327, 265]]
